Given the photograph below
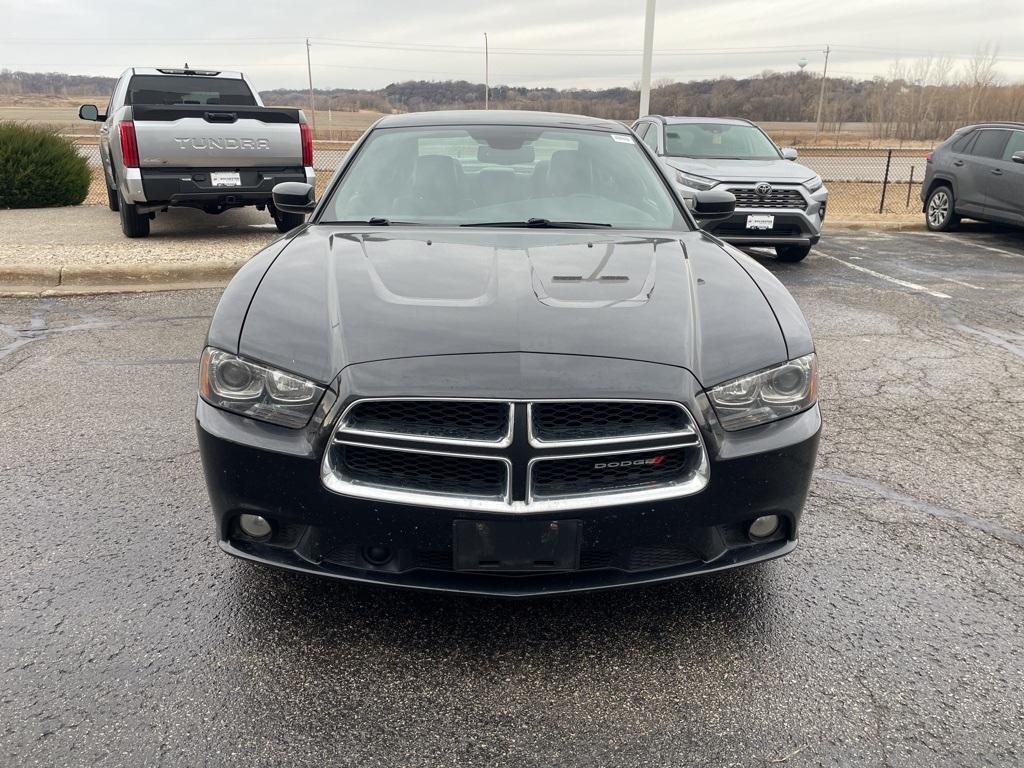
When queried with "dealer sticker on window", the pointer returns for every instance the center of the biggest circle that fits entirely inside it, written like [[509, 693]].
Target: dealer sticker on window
[[760, 221], [622, 138], [226, 179]]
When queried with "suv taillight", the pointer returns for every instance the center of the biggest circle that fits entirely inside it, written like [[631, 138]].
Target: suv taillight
[[928, 156], [307, 144], [129, 144]]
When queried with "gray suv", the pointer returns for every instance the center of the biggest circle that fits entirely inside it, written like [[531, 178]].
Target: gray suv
[[778, 202], [977, 172]]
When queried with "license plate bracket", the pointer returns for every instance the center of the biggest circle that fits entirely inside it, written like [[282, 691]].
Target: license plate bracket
[[760, 221], [516, 545], [226, 179]]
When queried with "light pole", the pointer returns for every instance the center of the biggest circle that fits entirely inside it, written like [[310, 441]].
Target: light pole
[[821, 96], [312, 103], [645, 74], [487, 74]]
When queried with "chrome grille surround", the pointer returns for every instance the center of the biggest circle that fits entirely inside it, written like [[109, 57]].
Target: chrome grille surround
[[780, 198], [520, 448]]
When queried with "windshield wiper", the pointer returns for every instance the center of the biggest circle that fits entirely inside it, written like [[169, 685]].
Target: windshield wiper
[[373, 221], [539, 224]]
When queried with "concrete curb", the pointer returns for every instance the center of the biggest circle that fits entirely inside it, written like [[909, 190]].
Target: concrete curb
[[878, 226], [35, 280]]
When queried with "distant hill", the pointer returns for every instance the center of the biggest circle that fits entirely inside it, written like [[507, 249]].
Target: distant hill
[[900, 107]]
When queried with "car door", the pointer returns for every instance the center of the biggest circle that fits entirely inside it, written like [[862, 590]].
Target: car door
[[1006, 183], [974, 171]]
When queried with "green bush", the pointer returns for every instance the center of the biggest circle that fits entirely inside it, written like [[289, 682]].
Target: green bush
[[39, 169]]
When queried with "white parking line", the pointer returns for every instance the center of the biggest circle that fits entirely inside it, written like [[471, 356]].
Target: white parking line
[[972, 243], [887, 278]]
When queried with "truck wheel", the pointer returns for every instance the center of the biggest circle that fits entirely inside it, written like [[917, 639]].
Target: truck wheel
[[112, 201], [792, 252], [286, 222], [940, 210], [133, 223]]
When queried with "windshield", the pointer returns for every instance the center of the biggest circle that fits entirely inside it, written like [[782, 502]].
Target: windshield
[[188, 89], [718, 141], [503, 175]]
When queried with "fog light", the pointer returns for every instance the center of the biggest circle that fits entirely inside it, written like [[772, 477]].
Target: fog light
[[377, 555], [763, 527], [254, 526]]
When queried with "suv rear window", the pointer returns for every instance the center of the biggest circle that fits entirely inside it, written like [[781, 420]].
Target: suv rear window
[[990, 143], [176, 90]]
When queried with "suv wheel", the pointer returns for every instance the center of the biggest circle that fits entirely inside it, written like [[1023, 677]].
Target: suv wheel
[[792, 252], [133, 223], [940, 214]]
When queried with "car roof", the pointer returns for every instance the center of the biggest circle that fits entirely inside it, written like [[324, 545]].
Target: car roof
[[500, 117], [194, 71], [996, 124], [677, 119]]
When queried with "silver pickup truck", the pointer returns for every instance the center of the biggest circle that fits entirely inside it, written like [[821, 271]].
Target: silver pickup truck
[[197, 138]]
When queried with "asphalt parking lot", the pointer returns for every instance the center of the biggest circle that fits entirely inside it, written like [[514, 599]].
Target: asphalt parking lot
[[892, 636]]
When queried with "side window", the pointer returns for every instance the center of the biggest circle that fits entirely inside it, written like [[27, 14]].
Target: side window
[[990, 143], [961, 144], [641, 129], [651, 139], [1015, 144], [113, 94]]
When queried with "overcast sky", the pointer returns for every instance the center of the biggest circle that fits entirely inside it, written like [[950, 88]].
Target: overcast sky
[[585, 43]]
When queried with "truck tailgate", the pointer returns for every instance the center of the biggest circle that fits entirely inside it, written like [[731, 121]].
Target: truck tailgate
[[208, 136]]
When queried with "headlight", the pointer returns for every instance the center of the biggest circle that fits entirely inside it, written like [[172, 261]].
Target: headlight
[[813, 184], [696, 182], [768, 395], [238, 385]]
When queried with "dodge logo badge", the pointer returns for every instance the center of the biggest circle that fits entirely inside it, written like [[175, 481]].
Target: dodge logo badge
[[654, 460], [763, 189]]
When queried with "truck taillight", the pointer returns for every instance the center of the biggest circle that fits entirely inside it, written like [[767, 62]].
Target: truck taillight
[[307, 144], [129, 144]]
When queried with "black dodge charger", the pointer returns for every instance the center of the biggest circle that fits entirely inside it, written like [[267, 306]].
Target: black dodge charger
[[502, 358]]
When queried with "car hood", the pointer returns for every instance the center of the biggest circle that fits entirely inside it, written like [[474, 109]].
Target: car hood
[[777, 171], [335, 297]]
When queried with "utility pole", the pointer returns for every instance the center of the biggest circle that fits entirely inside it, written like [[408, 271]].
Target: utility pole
[[821, 96], [645, 74], [487, 74], [312, 101]]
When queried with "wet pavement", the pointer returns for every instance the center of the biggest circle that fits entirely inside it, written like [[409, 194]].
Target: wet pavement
[[892, 636]]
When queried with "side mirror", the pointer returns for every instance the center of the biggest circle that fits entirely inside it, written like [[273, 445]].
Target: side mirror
[[1017, 157], [714, 205], [294, 197], [788, 153], [89, 112]]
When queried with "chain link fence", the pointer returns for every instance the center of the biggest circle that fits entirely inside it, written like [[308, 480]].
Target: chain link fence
[[861, 182]]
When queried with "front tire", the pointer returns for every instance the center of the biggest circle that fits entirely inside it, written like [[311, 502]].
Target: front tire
[[940, 210], [286, 222], [133, 223], [792, 253]]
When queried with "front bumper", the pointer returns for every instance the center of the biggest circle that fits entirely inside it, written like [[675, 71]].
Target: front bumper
[[791, 226], [261, 470]]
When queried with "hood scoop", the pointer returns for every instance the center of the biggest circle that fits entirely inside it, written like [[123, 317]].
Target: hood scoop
[[460, 275], [608, 275]]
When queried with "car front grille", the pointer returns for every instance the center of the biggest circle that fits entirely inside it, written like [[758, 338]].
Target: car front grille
[[422, 472], [748, 197], [554, 477], [470, 421], [468, 453], [586, 421]]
